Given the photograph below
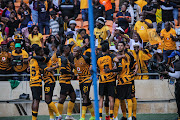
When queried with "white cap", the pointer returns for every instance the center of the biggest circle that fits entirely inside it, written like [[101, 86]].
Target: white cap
[[72, 22], [120, 28], [101, 20], [136, 44]]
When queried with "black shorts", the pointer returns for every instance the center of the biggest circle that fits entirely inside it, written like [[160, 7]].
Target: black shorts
[[124, 91], [107, 89], [133, 87], [49, 89], [85, 88], [36, 93], [66, 89]]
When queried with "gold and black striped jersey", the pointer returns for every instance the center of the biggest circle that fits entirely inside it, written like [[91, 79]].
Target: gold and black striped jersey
[[105, 61], [48, 76], [65, 70], [82, 67], [35, 73], [125, 76], [5, 58]]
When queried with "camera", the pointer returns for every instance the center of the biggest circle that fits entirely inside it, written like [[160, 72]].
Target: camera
[[16, 61]]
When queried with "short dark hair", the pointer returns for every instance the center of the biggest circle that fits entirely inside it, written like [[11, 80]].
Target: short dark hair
[[105, 45], [46, 51], [38, 50], [80, 30], [122, 42]]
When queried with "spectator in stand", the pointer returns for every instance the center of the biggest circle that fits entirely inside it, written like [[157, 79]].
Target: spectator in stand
[[136, 39], [80, 37], [2, 7], [141, 56], [68, 9], [2, 32], [43, 15], [19, 60], [24, 10], [113, 5], [84, 9], [123, 19], [5, 61], [150, 11], [169, 36], [34, 10], [98, 10], [35, 37], [25, 33], [141, 27], [167, 11], [70, 41], [176, 11], [108, 8], [101, 31], [72, 28], [8, 10], [51, 40], [159, 18], [55, 23], [13, 24]]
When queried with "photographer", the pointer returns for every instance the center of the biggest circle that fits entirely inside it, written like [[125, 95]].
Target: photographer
[[175, 73], [19, 62]]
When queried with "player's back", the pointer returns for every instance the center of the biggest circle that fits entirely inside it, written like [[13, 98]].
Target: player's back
[[64, 65], [35, 73], [105, 61]]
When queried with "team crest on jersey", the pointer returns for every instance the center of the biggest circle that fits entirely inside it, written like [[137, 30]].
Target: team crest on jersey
[[3, 58], [142, 28]]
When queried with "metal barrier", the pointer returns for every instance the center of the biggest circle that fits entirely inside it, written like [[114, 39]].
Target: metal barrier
[[18, 102]]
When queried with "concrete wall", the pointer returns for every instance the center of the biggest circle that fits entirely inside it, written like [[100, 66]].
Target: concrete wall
[[145, 90]]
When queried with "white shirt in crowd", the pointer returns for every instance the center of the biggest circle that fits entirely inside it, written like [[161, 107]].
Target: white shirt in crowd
[[132, 43]]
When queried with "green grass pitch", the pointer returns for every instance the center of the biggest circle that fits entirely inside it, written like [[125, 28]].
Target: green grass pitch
[[139, 117]]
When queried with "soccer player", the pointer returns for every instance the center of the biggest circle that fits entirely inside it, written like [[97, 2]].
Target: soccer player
[[106, 80], [82, 65], [65, 82], [124, 87], [36, 80]]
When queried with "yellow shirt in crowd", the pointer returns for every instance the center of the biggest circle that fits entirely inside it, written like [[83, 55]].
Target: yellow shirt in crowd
[[159, 15], [169, 44], [84, 4], [101, 34], [141, 29], [36, 39], [69, 41]]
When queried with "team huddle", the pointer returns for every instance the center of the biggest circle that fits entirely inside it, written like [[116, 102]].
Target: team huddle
[[71, 61]]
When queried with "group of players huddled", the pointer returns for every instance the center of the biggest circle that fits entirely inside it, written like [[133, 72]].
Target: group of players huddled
[[116, 80]]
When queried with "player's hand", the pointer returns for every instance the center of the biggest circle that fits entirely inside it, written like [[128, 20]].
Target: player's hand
[[28, 69], [134, 72], [171, 36], [107, 70], [56, 65]]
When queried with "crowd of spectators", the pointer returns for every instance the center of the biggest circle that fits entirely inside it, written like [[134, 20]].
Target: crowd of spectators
[[41, 23]]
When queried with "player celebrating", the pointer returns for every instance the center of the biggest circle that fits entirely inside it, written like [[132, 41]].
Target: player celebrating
[[65, 83], [106, 80], [124, 87], [36, 81], [82, 65]]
